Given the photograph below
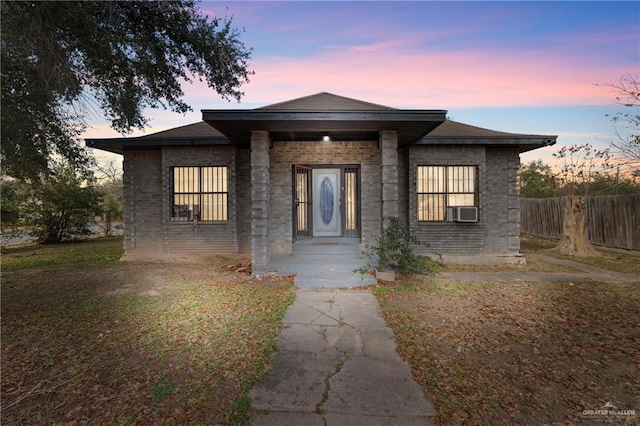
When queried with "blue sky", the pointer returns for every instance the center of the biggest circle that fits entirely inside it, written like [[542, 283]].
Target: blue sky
[[525, 67]]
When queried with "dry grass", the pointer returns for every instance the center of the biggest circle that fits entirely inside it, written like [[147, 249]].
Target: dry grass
[[531, 265], [492, 353], [88, 340], [614, 261]]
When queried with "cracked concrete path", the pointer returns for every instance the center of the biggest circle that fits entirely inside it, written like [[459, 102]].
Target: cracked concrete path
[[338, 365]]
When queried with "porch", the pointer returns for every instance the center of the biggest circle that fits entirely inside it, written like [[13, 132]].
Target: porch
[[323, 262]]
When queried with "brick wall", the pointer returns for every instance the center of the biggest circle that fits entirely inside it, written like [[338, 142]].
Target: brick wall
[[205, 238], [148, 230], [497, 231], [446, 237], [503, 212], [285, 154], [389, 173], [260, 199], [143, 203], [403, 185], [243, 200]]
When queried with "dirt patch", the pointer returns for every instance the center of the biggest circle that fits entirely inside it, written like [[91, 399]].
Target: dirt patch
[[519, 353]]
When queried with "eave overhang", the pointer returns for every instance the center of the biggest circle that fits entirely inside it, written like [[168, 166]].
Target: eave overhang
[[523, 142], [118, 145], [285, 125]]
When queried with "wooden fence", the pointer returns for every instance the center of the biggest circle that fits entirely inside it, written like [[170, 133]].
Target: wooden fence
[[614, 220]]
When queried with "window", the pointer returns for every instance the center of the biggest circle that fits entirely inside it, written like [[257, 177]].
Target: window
[[351, 197], [200, 193], [439, 187]]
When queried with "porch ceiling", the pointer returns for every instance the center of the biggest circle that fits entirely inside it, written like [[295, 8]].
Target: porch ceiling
[[285, 125]]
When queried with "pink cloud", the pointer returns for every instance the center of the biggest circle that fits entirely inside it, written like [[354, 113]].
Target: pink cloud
[[389, 74], [397, 73], [444, 80], [400, 71]]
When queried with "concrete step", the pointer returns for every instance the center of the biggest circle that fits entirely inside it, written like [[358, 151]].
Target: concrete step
[[323, 264]]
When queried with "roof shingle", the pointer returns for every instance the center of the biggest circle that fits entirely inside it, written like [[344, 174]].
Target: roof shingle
[[324, 101]]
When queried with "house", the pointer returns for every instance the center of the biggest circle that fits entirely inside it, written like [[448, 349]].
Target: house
[[260, 181]]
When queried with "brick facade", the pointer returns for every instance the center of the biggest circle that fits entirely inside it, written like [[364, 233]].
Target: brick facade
[[260, 196], [143, 218], [389, 175], [497, 231], [284, 155], [148, 228]]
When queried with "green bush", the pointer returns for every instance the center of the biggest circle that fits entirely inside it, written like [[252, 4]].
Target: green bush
[[61, 205], [394, 251]]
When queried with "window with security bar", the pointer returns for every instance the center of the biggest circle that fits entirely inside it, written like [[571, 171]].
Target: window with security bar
[[351, 200], [200, 193], [302, 201], [439, 187]]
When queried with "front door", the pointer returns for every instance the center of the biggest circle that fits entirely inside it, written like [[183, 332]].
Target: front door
[[327, 220]]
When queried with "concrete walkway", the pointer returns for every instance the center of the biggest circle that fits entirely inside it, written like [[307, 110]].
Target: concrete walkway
[[338, 365], [337, 362]]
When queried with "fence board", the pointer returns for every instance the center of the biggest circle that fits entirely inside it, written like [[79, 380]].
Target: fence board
[[613, 220]]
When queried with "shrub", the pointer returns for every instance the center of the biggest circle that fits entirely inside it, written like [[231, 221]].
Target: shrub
[[394, 251], [60, 206]]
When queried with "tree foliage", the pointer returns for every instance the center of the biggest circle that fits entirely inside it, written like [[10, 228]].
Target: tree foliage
[[627, 122], [61, 205], [581, 165], [11, 196], [111, 187], [62, 61], [537, 180]]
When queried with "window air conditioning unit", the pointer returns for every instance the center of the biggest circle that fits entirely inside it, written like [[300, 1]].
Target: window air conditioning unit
[[462, 214]]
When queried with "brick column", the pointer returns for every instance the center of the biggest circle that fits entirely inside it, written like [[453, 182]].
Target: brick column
[[259, 199], [513, 203], [389, 152]]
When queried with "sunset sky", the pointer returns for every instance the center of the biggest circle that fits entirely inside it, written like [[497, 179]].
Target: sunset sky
[[524, 67]]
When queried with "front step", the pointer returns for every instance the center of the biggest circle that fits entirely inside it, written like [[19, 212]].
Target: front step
[[324, 262]]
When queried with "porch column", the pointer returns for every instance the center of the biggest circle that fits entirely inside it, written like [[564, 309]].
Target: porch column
[[259, 199], [389, 152]]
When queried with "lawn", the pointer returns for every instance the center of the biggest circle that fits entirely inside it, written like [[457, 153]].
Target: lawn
[[491, 353], [89, 340], [621, 261], [618, 261]]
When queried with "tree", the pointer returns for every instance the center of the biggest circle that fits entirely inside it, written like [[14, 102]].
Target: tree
[[10, 200], [61, 205], [581, 165], [627, 142], [537, 180], [614, 183], [110, 187], [62, 61]]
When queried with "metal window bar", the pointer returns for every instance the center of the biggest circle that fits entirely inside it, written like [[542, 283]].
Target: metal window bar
[[200, 193], [461, 189], [438, 187], [302, 202], [351, 203], [431, 192]]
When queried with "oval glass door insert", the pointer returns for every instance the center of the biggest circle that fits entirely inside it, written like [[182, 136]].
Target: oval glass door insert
[[326, 201]]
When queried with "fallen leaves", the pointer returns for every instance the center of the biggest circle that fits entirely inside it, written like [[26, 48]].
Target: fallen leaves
[[238, 266], [532, 353], [91, 346]]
